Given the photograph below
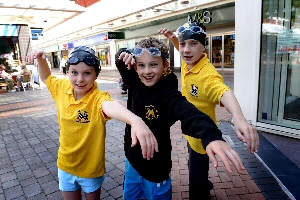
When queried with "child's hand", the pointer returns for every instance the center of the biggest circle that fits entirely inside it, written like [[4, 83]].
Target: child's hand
[[35, 54], [148, 142], [226, 153], [167, 33], [247, 133], [128, 59]]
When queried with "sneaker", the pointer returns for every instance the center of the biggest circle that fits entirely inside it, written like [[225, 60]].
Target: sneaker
[[11, 90], [123, 92]]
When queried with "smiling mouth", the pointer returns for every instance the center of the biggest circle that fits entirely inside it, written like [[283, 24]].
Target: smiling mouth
[[80, 86], [188, 57], [148, 78]]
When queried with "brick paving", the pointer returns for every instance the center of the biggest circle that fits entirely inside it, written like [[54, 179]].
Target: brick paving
[[29, 140]]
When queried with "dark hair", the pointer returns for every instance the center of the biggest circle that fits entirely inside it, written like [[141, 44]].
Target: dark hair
[[82, 53], [193, 29]]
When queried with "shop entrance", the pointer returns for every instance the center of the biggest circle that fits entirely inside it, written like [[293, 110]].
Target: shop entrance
[[222, 50]]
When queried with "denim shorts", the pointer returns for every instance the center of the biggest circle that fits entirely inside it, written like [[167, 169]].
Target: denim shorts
[[136, 187], [71, 183]]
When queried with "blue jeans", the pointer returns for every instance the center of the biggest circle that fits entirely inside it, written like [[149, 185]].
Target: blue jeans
[[136, 187]]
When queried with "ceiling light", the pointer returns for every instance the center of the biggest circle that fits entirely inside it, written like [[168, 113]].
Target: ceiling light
[[138, 16], [123, 20], [184, 3], [110, 24]]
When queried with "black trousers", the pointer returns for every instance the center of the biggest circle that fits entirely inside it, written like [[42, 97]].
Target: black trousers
[[64, 70], [199, 185]]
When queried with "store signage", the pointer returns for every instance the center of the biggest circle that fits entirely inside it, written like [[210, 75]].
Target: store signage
[[37, 33], [288, 42], [203, 17], [115, 35], [96, 39], [8, 30]]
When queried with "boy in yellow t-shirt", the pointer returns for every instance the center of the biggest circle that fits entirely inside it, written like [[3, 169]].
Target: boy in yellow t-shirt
[[203, 86], [83, 110]]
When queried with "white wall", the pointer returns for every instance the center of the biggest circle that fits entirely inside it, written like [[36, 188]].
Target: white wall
[[247, 52]]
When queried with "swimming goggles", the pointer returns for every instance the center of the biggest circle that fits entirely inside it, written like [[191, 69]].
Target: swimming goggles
[[153, 51], [90, 61], [84, 48], [193, 29]]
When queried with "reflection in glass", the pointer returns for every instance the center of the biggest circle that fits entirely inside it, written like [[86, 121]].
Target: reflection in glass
[[279, 83]]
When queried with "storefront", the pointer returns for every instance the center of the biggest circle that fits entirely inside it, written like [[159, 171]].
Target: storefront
[[220, 34], [100, 44], [267, 71], [9, 46], [53, 56]]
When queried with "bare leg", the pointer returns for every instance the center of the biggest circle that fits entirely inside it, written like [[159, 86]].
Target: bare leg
[[93, 195], [76, 195]]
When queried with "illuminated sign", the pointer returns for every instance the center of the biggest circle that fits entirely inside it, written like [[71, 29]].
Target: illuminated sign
[[37, 34], [116, 35]]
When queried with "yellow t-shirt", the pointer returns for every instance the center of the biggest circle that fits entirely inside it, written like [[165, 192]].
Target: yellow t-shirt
[[203, 86], [82, 128]]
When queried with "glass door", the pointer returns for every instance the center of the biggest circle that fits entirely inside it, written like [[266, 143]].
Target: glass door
[[216, 51], [222, 50], [229, 42]]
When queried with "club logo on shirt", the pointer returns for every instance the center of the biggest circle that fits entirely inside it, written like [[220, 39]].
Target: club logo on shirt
[[194, 91], [83, 117], [152, 112]]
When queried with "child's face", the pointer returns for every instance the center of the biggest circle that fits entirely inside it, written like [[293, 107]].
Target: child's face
[[150, 68], [82, 78], [191, 51]]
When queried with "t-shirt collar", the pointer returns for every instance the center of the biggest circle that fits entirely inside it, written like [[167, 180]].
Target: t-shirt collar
[[198, 66]]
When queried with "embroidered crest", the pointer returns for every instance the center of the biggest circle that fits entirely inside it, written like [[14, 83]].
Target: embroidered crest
[[83, 117], [194, 91], [152, 112]]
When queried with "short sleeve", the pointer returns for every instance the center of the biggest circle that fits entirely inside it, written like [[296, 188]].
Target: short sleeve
[[215, 87], [54, 85], [100, 99]]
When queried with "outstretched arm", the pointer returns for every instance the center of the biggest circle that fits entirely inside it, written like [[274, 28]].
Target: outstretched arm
[[44, 70], [245, 131], [169, 34], [139, 130], [199, 125], [227, 155]]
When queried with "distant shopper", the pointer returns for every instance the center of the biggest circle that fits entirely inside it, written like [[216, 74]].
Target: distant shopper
[[63, 62], [24, 76], [8, 78]]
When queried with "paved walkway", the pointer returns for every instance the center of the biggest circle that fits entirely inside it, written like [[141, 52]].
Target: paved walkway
[[29, 140]]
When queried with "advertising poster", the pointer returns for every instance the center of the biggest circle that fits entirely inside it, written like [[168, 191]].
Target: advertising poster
[[288, 42]]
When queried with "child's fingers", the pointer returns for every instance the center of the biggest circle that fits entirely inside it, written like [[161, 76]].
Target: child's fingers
[[236, 160], [226, 162], [133, 140], [212, 157]]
